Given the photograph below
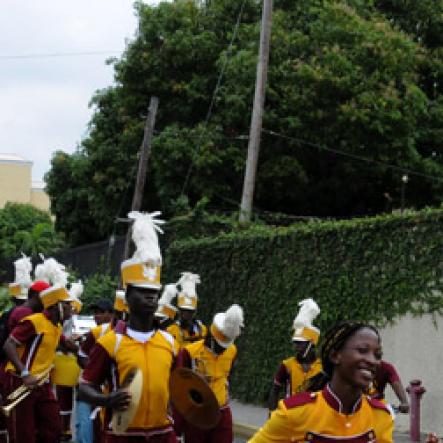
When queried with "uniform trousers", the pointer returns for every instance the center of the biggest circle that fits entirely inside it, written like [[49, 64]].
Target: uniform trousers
[[65, 396], [37, 418], [222, 433], [4, 393], [168, 437]]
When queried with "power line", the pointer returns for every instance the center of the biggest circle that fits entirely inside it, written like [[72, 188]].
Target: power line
[[214, 95], [57, 54], [353, 156]]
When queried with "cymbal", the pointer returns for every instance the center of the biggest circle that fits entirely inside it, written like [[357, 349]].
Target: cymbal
[[133, 382], [194, 399]]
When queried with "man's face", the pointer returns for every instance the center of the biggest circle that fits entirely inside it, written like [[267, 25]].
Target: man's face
[[102, 317], [142, 300], [186, 316], [300, 349]]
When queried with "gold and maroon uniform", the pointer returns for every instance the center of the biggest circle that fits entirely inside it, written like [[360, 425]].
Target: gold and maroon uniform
[[15, 315], [154, 353], [38, 339], [292, 376], [91, 337], [386, 373], [215, 369], [318, 418], [184, 337]]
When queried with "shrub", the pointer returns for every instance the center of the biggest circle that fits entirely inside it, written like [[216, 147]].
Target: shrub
[[371, 269]]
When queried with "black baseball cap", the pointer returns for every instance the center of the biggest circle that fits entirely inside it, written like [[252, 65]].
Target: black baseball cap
[[103, 304]]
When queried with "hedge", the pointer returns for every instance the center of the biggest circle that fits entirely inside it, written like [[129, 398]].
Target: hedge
[[374, 269]]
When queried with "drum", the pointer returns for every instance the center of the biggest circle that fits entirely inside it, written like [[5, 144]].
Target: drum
[[66, 370]]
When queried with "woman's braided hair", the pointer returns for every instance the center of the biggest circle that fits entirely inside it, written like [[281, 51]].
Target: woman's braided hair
[[334, 340]]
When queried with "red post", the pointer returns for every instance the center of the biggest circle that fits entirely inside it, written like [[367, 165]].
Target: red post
[[415, 391]]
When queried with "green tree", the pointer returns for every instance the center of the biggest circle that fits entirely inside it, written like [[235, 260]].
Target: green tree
[[70, 187], [350, 75], [26, 229]]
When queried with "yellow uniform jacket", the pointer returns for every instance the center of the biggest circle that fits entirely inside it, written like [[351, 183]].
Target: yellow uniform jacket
[[292, 377], [38, 339], [317, 418], [214, 368], [154, 357], [184, 337]]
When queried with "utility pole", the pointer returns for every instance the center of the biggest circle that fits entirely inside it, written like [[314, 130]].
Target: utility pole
[[145, 151], [257, 114]]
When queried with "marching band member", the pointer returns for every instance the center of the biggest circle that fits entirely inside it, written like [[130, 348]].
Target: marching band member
[[105, 318], [213, 358], [386, 373], [108, 317], [340, 411], [67, 370], [31, 306], [140, 346], [187, 329], [19, 292], [103, 311], [31, 349], [293, 372], [85, 427], [166, 311]]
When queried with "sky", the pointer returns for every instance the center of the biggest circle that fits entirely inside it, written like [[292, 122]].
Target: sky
[[44, 100]]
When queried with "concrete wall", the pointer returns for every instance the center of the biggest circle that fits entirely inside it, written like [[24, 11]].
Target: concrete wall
[[15, 182], [40, 199], [415, 347]]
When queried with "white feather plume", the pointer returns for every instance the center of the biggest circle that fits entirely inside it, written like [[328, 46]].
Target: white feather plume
[[307, 313], [188, 282], [23, 269], [76, 290], [40, 270], [233, 322], [168, 294], [144, 235], [52, 272]]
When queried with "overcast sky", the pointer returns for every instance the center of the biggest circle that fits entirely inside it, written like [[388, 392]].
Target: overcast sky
[[44, 100]]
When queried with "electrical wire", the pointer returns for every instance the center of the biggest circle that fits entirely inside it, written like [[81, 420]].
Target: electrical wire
[[214, 95], [354, 156]]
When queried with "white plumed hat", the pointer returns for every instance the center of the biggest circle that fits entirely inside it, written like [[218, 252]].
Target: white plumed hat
[[75, 292], [165, 307], [187, 297], [52, 272], [144, 268], [304, 330], [226, 326], [19, 288]]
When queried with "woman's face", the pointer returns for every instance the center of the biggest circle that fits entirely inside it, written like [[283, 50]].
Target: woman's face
[[356, 363]]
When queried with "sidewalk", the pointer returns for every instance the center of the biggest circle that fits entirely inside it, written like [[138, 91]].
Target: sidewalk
[[248, 418]]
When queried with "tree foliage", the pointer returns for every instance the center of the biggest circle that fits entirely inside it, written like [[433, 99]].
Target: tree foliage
[[360, 77], [26, 229]]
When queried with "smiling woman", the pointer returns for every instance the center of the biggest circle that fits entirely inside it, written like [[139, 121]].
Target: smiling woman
[[335, 407]]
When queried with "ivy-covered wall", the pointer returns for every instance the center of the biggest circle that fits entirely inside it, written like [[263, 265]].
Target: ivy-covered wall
[[373, 269]]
